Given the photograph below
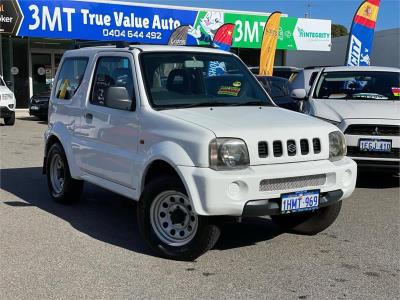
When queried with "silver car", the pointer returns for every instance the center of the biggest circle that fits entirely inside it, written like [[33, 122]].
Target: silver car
[[364, 102]]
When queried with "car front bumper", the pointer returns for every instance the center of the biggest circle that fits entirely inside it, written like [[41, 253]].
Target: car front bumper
[[382, 160], [232, 192]]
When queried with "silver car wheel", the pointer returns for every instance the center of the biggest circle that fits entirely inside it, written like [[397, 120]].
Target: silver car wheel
[[173, 218], [57, 173]]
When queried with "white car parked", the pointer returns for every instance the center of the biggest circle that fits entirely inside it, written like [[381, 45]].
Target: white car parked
[[7, 103], [304, 79], [364, 102], [190, 134]]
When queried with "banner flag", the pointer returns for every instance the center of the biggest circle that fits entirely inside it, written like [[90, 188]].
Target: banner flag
[[361, 35], [223, 37], [179, 36], [268, 45]]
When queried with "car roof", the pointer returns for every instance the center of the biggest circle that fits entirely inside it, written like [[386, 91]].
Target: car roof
[[289, 68], [365, 68], [145, 48]]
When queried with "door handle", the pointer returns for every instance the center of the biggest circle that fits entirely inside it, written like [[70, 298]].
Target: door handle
[[89, 116]]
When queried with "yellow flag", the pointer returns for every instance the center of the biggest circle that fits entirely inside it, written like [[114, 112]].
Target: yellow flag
[[268, 46]]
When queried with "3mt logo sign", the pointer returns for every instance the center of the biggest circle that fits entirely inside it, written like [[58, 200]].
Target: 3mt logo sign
[[10, 16]]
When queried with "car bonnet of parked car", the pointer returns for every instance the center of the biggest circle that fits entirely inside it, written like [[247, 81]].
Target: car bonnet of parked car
[[340, 109]]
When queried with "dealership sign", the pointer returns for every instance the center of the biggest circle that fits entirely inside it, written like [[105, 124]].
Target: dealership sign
[[152, 24], [10, 17]]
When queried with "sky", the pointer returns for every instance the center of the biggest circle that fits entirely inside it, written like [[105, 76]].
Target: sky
[[339, 11]]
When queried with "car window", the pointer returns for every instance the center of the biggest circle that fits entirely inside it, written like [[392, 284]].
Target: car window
[[280, 88], [70, 77], [179, 80], [275, 87], [358, 85], [111, 72]]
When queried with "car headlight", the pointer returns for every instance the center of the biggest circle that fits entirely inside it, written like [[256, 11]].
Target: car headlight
[[337, 145], [228, 154], [336, 123], [7, 97]]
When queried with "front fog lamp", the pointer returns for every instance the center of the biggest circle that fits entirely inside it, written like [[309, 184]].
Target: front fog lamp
[[228, 153], [337, 146]]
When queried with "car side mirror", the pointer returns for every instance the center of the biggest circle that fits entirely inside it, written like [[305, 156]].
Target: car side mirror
[[9, 83], [118, 97], [299, 94]]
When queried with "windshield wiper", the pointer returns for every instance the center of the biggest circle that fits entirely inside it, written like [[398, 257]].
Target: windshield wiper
[[252, 103], [204, 104]]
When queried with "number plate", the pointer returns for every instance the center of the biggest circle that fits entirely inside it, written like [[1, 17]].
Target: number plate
[[34, 107], [375, 145], [300, 201]]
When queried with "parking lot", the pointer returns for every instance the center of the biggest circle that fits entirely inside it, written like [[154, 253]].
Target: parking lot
[[93, 249]]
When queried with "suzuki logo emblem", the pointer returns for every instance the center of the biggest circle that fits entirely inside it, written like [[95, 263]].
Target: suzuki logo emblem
[[292, 148], [376, 131]]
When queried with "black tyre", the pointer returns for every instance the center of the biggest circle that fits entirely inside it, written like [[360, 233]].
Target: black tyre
[[62, 187], [10, 121], [168, 223], [309, 223]]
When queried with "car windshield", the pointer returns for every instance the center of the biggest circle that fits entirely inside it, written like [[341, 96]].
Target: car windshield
[[358, 85], [186, 79]]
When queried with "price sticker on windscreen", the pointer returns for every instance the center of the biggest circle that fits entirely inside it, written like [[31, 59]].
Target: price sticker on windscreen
[[229, 91], [396, 91]]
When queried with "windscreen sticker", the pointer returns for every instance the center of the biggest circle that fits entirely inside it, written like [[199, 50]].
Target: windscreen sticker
[[229, 90], [396, 91]]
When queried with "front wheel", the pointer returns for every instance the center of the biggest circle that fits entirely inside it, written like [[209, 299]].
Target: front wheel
[[62, 187], [309, 223], [10, 121], [169, 224]]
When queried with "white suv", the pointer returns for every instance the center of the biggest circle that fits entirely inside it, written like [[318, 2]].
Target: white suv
[[190, 134], [7, 104], [364, 102]]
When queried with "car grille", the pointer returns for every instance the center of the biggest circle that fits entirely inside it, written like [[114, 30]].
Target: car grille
[[385, 130], [316, 145], [291, 148], [279, 184], [354, 151], [278, 149], [263, 149], [304, 147]]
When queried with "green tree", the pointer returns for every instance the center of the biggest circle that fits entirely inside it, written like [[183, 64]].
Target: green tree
[[338, 30]]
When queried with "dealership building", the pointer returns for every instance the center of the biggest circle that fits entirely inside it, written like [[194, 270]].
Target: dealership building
[[35, 34]]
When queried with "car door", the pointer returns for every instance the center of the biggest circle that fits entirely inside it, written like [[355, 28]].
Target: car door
[[109, 135]]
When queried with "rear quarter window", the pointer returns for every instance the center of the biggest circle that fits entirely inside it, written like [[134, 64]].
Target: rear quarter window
[[70, 77]]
